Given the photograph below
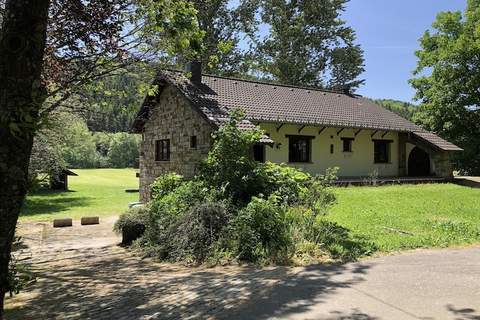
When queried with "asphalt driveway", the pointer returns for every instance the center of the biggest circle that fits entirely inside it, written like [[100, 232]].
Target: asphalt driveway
[[82, 274]]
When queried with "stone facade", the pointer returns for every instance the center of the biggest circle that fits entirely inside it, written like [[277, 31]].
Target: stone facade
[[441, 165], [175, 119]]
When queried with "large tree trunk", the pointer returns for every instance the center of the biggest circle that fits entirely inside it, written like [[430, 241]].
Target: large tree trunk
[[22, 46]]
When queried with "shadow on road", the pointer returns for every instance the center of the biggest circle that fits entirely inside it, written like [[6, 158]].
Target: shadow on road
[[107, 283]]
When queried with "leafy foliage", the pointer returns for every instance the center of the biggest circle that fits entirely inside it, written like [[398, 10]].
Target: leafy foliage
[[131, 218], [260, 231], [229, 165], [447, 82], [239, 209], [123, 150], [165, 184], [198, 231], [325, 55], [19, 274], [403, 109]]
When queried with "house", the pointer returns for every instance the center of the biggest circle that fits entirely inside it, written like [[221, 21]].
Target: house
[[307, 128]]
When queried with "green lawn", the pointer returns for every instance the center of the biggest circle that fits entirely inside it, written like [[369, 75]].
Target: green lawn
[[431, 215], [394, 217], [99, 192]]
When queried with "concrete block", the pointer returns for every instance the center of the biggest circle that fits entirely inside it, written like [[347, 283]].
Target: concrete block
[[60, 223], [89, 220]]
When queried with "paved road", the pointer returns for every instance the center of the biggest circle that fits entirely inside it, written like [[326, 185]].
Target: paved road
[[89, 278]]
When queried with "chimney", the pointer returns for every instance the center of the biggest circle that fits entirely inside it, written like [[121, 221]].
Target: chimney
[[195, 69]]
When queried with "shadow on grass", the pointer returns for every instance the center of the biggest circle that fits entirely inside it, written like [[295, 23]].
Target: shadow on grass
[[50, 205], [112, 285]]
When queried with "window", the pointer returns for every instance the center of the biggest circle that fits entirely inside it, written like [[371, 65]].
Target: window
[[193, 142], [259, 152], [382, 151], [299, 148], [162, 150], [347, 144]]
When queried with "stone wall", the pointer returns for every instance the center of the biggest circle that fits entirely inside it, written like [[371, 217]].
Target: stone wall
[[442, 165], [173, 118]]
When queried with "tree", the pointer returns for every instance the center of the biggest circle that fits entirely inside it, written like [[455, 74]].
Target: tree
[[21, 94], [47, 160], [124, 150], [448, 82], [49, 50], [308, 44], [222, 24], [403, 109]]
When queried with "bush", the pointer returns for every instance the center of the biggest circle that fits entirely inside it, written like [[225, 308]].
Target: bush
[[165, 184], [19, 274], [239, 209], [286, 182], [168, 210], [186, 195], [198, 231], [132, 224], [261, 232], [230, 166]]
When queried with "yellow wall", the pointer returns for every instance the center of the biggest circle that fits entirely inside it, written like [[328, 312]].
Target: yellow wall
[[359, 162]]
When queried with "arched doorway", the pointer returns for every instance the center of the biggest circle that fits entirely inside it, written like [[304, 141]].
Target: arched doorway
[[418, 163]]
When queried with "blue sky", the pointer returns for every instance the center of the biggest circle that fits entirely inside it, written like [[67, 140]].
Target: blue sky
[[388, 31]]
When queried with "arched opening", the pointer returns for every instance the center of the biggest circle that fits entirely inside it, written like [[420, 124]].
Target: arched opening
[[418, 163]]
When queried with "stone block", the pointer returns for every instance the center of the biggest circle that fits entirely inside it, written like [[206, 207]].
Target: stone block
[[89, 220], [60, 223]]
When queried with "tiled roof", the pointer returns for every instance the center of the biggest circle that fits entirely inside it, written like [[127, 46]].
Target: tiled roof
[[266, 102]]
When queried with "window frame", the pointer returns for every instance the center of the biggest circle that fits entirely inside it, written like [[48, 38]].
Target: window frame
[[295, 138], [387, 144], [259, 145], [349, 142], [193, 142], [162, 150]]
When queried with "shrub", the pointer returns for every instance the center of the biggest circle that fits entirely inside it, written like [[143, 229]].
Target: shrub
[[318, 194], [19, 274], [239, 209], [230, 166], [132, 224], [170, 209], [261, 232], [286, 182], [198, 231], [183, 197], [165, 184]]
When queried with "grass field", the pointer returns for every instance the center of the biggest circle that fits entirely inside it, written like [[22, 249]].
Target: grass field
[[410, 216], [393, 217], [99, 192]]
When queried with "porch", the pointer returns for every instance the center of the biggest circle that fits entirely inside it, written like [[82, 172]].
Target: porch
[[358, 181]]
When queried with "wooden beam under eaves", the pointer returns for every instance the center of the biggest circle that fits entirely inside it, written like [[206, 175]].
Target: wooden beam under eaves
[[384, 134], [280, 126], [340, 131], [321, 130], [357, 132], [371, 136], [300, 129]]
